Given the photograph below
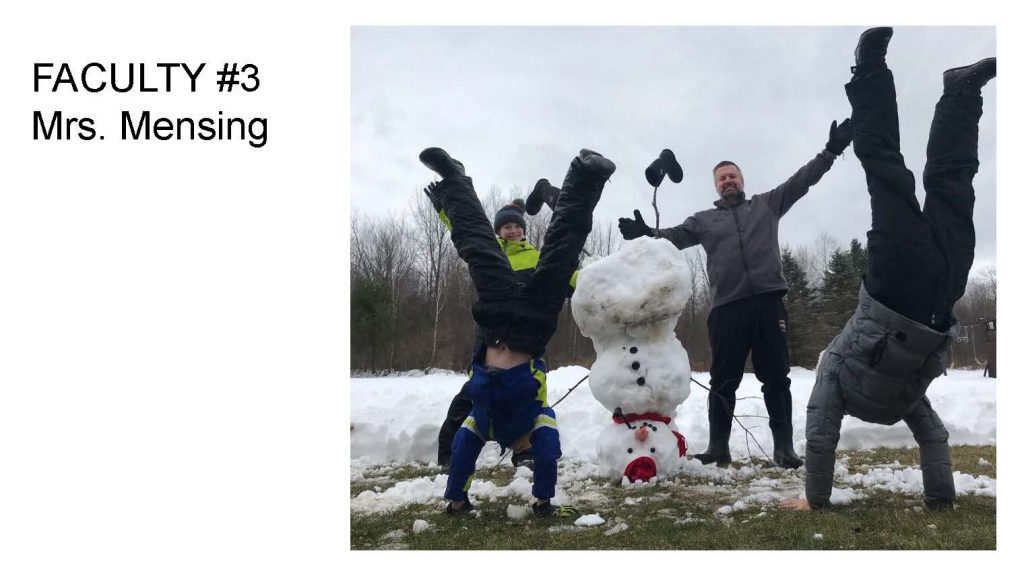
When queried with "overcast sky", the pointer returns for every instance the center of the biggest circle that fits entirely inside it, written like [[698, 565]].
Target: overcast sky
[[515, 104]]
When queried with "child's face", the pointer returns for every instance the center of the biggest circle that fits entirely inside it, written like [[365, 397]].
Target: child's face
[[511, 232]]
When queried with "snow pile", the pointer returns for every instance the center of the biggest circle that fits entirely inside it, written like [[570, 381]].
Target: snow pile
[[516, 512], [395, 421], [911, 481], [589, 520]]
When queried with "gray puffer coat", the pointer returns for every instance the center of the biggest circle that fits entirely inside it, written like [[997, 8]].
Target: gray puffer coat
[[878, 369], [742, 241]]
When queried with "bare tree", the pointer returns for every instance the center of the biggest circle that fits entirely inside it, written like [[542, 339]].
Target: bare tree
[[493, 201], [692, 325], [805, 259], [604, 239], [824, 246], [382, 252], [434, 254]]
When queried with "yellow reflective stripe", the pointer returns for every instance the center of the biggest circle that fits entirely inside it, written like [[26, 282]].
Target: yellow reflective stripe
[[469, 481], [444, 219], [542, 377], [470, 424], [572, 280], [545, 421]]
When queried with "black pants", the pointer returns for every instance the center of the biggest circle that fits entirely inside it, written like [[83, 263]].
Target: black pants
[[756, 325], [918, 260], [524, 317]]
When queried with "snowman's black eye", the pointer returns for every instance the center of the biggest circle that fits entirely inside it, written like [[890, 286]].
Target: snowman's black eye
[[629, 450], [652, 450]]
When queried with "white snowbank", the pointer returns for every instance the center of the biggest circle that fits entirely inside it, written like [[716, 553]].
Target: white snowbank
[[395, 421]]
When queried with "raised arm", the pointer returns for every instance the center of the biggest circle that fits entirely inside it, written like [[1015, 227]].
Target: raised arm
[[682, 236], [782, 198]]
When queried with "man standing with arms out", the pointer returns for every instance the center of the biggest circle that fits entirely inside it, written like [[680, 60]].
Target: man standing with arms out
[[897, 341], [741, 238]]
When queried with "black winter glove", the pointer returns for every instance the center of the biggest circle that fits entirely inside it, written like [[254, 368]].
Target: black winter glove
[[839, 137], [435, 199], [634, 228]]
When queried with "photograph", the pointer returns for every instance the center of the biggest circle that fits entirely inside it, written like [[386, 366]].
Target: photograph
[[672, 287]]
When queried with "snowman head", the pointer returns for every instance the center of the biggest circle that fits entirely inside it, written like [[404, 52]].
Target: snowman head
[[641, 449]]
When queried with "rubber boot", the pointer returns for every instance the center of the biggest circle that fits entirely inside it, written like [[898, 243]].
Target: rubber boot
[[440, 162], [543, 193], [720, 428], [968, 80], [784, 455], [779, 403], [718, 448], [869, 55]]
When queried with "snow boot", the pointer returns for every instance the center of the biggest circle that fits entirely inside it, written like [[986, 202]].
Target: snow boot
[[597, 164], [718, 448], [543, 193], [870, 52], [784, 455], [463, 510], [665, 164], [547, 510], [779, 402], [968, 80], [439, 161], [720, 410]]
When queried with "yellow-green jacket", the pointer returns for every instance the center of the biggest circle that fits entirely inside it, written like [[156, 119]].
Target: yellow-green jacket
[[522, 255]]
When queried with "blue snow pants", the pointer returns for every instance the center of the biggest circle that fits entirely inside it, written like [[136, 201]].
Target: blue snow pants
[[507, 405]]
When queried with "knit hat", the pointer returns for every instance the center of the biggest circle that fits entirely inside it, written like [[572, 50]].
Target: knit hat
[[511, 213]]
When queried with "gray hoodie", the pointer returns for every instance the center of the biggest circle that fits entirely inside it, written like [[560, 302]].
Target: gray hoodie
[[742, 242]]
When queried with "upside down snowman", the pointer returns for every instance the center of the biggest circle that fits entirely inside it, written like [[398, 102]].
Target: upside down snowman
[[628, 304]]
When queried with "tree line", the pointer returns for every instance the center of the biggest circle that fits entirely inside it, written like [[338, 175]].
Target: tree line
[[411, 295]]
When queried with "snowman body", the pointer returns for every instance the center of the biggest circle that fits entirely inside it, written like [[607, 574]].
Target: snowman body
[[628, 303], [641, 374]]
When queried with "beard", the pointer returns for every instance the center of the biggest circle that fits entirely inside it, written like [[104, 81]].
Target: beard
[[731, 193]]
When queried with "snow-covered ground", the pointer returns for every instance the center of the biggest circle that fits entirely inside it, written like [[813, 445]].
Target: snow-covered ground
[[395, 421]]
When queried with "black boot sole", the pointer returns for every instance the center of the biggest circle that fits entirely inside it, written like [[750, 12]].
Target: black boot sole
[[788, 462], [717, 459], [440, 162], [969, 79]]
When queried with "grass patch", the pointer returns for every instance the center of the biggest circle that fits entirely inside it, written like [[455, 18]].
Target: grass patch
[[681, 514], [966, 459]]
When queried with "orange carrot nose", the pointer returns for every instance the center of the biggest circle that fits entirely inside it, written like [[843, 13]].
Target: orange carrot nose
[[641, 434]]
